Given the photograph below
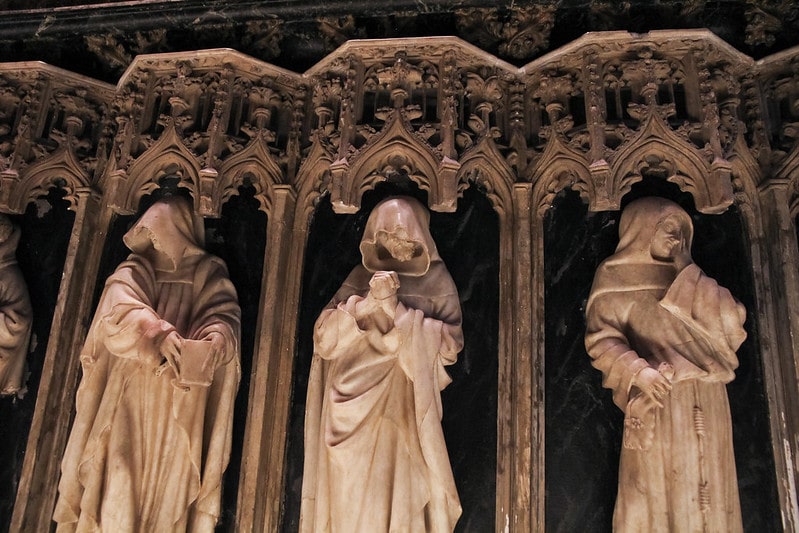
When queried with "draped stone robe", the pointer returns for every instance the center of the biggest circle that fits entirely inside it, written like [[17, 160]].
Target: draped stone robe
[[677, 469], [147, 451], [16, 319], [375, 456]]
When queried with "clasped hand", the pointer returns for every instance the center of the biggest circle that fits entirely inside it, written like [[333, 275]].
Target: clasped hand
[[380, 304], [653, 384]]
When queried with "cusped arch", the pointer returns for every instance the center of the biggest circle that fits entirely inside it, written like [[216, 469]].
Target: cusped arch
[[60, 170], [166, 157], [255, 162], [313, 177], [558, 168], [745, 172], [484, 165], [658, 150], [396, 149]]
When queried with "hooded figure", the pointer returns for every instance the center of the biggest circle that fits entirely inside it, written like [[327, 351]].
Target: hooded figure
[[152, 431], [664, 336], [15, 314], [375, 456]]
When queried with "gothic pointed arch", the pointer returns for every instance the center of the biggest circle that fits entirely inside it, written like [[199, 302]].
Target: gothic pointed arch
[[313, 176], [485, 166], [166, 157], [559, 167], [745, 172], [59, 170], [254, 163], [656, 149], [396, 149]]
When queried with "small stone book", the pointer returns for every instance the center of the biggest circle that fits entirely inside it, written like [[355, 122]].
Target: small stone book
[[196, 363]]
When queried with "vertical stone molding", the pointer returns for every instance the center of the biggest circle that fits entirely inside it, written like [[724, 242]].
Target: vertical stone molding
[[600, 116], [55, 402]]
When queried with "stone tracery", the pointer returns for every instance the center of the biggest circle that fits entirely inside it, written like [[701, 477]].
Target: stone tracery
[[596, 116]]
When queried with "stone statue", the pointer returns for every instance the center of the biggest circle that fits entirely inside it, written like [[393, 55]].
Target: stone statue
[[664, 336], [152, 431], [375, 456], [15, 314]]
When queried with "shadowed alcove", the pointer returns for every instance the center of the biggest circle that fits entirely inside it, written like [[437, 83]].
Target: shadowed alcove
[[239, 238], [583, 426], [468, 242], [45, 230]]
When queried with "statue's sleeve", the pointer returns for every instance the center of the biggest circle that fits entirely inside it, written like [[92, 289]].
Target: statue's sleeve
[[710, 312], [15, 326], [337, 332], [609, 347], [449, 313], [217, 312], [126, 322]]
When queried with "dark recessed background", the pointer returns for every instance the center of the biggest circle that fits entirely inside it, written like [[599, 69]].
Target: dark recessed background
[[583, 426]]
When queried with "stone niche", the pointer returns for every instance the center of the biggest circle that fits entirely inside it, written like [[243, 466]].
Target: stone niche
[[524, 170]]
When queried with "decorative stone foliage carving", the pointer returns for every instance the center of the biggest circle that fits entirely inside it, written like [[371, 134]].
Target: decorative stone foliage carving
[[765, 20], [117, 52], [596, 116], [338, 30], [518, 33], [263, 37]]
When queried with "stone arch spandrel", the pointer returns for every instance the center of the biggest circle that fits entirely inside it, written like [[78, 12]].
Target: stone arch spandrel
[[558, 168], [254, 163], [657, 150], [60, 170], [395, 150], [312, 182], [485, 166], [167, 157]]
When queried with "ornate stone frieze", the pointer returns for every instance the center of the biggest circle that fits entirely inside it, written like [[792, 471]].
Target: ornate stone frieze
[[54, 131], [595, 116], [517, 33], [211, 111], [617, 106]]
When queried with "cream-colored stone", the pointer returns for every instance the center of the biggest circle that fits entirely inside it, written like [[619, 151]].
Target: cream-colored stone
[[108, 146], [664, 336], [152, 434], [16, 315], [375, 456]]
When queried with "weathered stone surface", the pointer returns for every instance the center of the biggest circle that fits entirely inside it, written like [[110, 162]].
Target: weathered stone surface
[[600, 116]]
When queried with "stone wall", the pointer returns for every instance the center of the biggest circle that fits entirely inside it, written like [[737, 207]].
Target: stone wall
[[525, 169]]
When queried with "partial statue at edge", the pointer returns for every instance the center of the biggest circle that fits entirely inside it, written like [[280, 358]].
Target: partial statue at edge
[[375, 456], [16, 316], [664, 336], [152, 433]]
